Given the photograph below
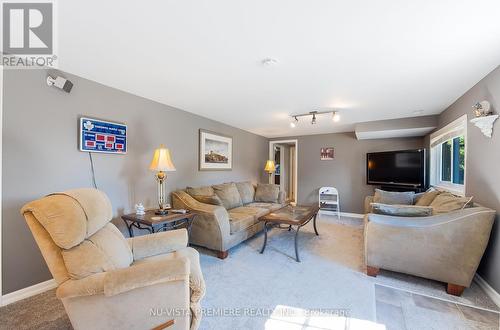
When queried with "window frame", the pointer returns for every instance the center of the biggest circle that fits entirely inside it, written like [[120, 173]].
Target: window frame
[[459, 126]]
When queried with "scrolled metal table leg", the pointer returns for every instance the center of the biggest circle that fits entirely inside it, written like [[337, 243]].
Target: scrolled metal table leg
[[265, 238], [296, 242], [314, 224], [130, 231]]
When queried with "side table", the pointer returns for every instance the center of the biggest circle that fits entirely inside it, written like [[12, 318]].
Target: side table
[[155, 223]]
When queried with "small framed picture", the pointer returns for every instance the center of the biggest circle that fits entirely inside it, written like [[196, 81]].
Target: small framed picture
[[327, 154], [216, 151]]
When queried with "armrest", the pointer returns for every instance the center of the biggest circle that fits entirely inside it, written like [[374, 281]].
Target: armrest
[[368, 201], [87, 286], [145, 274], [158, 243], [281, 197], [212, 219], [121, 280]]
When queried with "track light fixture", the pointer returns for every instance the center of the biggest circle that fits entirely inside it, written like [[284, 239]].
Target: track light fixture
[[295, 120]]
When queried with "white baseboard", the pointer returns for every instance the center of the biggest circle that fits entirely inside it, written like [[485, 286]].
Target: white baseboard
[[352, 215], [9, 298], [495, 296], [343, 214]]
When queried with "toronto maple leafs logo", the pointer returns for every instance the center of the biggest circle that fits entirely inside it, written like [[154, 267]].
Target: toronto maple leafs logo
[[88, 125]]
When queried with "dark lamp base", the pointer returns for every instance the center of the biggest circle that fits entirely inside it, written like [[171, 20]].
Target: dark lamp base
[[161, 212]]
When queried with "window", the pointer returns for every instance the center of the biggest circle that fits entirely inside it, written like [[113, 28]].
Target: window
[[448, 153]]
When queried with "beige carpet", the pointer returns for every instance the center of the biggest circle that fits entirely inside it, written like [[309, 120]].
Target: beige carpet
[[331, 275]]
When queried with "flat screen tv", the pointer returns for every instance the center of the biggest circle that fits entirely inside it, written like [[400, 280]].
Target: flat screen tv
[[396, 168]]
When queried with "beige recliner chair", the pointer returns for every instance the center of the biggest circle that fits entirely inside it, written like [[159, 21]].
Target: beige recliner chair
[[106, 281]]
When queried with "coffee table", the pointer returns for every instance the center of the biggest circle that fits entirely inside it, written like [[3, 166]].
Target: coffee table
[[290, 216]]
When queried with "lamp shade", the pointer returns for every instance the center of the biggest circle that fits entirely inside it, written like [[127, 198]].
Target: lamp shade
[[270, 167], [162, 161]]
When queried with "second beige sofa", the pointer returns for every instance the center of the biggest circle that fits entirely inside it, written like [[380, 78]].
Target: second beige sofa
[[446, 246], [227, 213]]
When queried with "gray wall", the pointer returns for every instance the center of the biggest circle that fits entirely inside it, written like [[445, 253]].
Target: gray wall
[[483, 158], [347, 172], [40, 156]]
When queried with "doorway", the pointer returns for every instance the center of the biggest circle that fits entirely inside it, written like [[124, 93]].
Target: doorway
[[285, 156]]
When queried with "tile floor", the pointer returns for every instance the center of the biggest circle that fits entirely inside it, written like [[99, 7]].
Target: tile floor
[[403, 310]]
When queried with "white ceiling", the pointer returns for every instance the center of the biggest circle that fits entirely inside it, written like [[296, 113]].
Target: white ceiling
[[372, 60]]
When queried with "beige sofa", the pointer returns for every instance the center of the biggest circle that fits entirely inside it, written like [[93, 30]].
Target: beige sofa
[[233, 217], [106, 281], [446, 247]]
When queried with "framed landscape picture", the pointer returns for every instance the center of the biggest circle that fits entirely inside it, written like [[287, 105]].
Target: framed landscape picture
[[326, 154], [215, 151]]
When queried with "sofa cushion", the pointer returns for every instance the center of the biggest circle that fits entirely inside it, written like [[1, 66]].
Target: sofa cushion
[[200, 191], [267, 193], [239, 221], [228, 194], [213, 200], [447, 202], [246, 190], [401, 210], [104, 251], [427, 198], [269, 206], [256, 212], [393, 197]]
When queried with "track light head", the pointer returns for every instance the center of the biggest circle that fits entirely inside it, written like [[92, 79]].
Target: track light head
[[294, 122], [336, 116], [313, 120]]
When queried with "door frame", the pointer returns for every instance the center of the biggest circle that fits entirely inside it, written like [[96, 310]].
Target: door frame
[[1, 151], [271, 156]]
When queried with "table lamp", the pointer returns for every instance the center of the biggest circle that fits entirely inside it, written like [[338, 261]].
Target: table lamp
[[161, 163], [270, 168]]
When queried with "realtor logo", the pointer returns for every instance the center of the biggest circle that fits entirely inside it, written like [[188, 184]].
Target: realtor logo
[[28, 29]]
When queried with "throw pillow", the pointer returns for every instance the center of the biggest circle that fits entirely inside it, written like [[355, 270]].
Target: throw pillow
[[427, 198], [213, 200], [447, 202], [267, 193], [393, 197], [228, 194], [246, 190], [401, 210]]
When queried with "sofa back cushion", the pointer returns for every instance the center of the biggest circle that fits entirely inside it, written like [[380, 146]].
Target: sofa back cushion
[[247, 191], [200, 191], [228, 194], [267, 193], [213, 200], [104, 251], [393, 197], [401, 210], [447, 202]]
